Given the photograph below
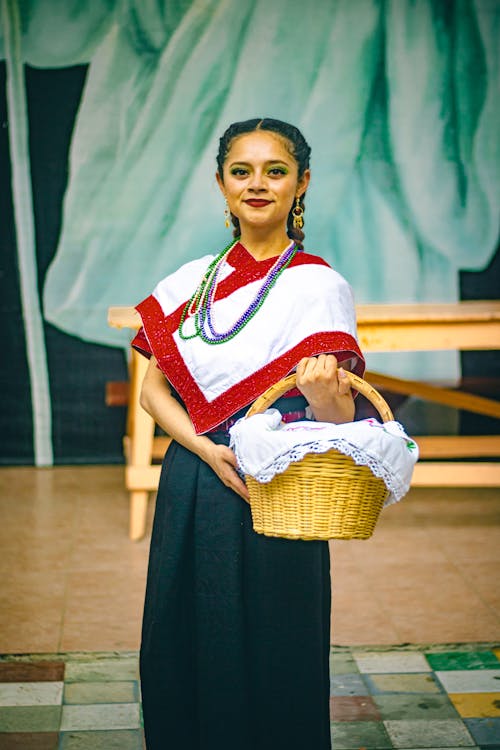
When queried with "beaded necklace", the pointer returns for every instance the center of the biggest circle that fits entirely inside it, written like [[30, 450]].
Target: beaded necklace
[[199, 306]]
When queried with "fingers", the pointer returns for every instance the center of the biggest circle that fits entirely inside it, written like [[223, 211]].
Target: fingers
[[326, 387], [321, 369], [343, 381], [324, 365], [225, 466]]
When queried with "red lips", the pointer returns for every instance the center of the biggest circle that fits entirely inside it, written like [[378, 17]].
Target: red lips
[[257, 203]]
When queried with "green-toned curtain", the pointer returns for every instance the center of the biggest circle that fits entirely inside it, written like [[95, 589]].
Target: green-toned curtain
[[399, 100]]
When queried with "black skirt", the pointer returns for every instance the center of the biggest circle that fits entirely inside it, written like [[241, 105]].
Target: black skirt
[[236, 629]]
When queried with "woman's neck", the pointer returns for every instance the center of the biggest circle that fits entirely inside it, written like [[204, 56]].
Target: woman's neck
[[265, 245]]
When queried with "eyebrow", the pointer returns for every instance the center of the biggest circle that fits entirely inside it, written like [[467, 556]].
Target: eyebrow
[[268, 163]]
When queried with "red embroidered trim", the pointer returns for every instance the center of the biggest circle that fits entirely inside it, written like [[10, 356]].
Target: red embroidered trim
[[248, 269], [206, 415], [141, 343]]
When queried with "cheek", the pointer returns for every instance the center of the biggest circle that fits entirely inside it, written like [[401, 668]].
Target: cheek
[[233, 188]]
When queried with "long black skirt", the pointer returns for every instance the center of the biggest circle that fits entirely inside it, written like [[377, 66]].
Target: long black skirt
[[236, 629]]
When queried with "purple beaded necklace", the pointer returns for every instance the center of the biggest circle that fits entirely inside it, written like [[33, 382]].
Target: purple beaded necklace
[[200, 305]]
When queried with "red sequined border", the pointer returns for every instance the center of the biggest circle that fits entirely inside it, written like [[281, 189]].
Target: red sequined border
[[204, 414]]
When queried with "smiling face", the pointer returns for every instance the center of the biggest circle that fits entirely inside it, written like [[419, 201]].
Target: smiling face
[[260, 181]]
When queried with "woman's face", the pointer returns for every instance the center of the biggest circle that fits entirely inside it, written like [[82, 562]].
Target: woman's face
[[260, 181]]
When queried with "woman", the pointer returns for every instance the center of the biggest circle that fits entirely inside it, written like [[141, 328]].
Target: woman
[[236, 628]]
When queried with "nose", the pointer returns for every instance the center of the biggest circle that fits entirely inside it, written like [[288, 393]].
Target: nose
[[256, 184]]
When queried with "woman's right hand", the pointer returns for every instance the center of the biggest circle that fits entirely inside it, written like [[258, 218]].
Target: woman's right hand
[[223, 461], [157, 400]]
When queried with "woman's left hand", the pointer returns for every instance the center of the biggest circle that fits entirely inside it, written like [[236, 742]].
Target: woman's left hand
[[326, 388]]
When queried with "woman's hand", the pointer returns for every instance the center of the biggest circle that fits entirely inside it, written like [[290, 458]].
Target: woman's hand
[[326, 388], [157, 400], [223, 461]]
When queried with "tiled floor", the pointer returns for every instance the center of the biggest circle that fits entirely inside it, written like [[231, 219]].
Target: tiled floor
[[72, 580], [71, 593], [431, 697]]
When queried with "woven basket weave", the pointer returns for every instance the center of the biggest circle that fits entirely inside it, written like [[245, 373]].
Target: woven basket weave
[[324, 495]]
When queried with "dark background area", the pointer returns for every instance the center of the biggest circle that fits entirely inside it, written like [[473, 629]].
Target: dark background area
[[85, 430]]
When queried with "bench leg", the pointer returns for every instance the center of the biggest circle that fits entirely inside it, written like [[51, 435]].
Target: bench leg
[[138, 513], [139, 447]]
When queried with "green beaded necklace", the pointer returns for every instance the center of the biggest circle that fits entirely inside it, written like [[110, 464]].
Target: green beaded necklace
[[199, 306]]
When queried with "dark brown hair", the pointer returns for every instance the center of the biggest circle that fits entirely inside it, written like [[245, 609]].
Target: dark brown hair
[[296, 144]]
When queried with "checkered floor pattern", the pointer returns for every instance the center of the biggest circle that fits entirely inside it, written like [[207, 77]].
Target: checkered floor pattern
[[412, 698]]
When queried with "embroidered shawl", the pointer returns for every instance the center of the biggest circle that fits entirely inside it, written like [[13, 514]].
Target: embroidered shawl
[[309, 311]]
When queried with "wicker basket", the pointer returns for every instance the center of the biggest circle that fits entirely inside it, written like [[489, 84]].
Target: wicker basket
[[323, 496]]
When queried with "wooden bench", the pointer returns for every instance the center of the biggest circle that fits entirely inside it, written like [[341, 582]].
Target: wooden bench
[[381, 328]]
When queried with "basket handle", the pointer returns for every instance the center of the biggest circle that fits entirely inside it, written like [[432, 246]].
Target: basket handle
[[282, 386]]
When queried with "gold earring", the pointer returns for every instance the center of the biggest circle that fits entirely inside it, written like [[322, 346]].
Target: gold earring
[[298, 214], [227, 216]]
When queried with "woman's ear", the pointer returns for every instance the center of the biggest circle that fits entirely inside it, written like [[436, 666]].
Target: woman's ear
[[303, 183], [220, 183]]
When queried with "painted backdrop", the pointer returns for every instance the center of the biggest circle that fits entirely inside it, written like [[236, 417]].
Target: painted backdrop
[[399, 100]]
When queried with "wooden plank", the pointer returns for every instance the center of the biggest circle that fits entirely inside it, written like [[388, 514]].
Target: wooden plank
[[160, 445], [458, 446], [455, 474], [465, 311], [142, 477], [426, 474], [476, 311], [117, 393], [124, 317], [428, 336], [425, 327], [141, 425], [445, 396]]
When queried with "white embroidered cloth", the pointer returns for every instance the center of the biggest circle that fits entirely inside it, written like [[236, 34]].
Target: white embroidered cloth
[[309, 311], [265, 446]]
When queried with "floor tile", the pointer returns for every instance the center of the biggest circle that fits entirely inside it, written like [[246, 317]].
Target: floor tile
[[105, 670], [477, 705], [103, 716], [29, 741], [83, 511], [30, 718], [465, 681], [35, 549], [43, 671], [356, 734], [353, 708], [348, 628], [117, 631], [81, 693], [127, 739], [390, 661], [27, 627], [484, 731], [31, 693], [473, 547], [460, 660], [402, 683], [347, 684], [423, 614], [342, 663], [425, 706], [425, 734]]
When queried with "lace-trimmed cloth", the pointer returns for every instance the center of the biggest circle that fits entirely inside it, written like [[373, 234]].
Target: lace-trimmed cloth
[[265, 446]]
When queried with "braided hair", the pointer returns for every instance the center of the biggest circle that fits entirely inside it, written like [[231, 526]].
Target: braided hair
[[294, 142]]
